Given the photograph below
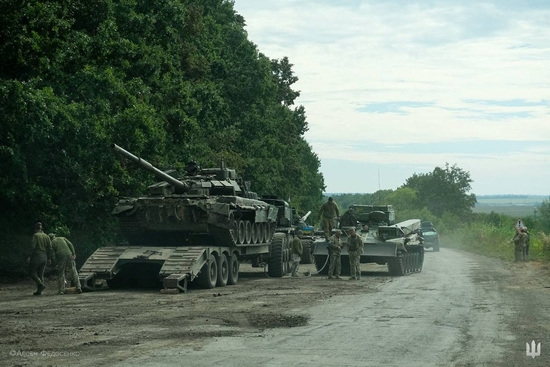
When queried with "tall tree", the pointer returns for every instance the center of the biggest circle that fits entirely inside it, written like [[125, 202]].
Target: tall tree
[[444, 190]]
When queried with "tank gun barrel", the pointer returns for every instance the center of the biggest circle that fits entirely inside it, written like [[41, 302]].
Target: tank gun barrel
[[149, 167]]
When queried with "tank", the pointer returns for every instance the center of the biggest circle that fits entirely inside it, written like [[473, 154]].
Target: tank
[[204, 206], [397, 245]]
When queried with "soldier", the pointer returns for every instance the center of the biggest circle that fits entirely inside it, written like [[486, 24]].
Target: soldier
[[64, 255], [520, 241], [327, 213], [527, 243], [355, 250], [334, 249], [40, 256], [296, 253], [348, 219]]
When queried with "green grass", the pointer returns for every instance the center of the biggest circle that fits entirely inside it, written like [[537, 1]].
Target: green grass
[[489, 240]]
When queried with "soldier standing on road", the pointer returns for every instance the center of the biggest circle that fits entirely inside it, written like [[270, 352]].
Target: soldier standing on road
[[40, 256], [355, 250], [64, 255], [296, 253], [327, 213], [334, 249], [527, 242], [520, 241]]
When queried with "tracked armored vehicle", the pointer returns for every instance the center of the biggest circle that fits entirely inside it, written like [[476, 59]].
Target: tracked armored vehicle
[[397, 245], [198, 225]]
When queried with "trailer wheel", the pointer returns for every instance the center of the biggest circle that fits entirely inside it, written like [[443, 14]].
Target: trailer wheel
[[223, 271], [233, 275], [275, 264], [209, 273]]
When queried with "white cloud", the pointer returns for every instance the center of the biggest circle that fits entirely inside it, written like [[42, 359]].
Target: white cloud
[[431, 64]]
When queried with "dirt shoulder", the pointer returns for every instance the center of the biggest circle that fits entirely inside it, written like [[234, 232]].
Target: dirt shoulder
[[104, 327], [98, 328]]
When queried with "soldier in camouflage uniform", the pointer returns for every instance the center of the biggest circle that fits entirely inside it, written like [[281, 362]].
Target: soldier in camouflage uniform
[[334, 249], [355, 250], [64, 255], [520, 242], [296, 253], [40, 256], [327, 213]]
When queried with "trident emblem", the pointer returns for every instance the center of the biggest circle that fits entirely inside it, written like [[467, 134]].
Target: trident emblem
[[533, 351]]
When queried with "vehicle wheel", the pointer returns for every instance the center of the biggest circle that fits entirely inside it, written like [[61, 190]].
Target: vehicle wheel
[[260, 230], [209, 273], [233, 275], [241, 232], [223, 271], [248, 232], [275, 264]]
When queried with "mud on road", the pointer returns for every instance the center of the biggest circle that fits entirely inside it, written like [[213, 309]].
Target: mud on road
[[106, 327], [103, 327]]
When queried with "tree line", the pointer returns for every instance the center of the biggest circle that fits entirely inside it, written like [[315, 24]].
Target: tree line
[[169, 80]]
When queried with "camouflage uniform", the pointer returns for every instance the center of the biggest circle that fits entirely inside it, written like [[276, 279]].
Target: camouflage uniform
[[64, 258], [348, 219], [41, 253], [355, 249], [527, 243], [520, 242], [327, 213], [335, 263], [296, 253]]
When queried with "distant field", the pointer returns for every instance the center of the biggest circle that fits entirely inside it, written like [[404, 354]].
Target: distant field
[[515, 206]]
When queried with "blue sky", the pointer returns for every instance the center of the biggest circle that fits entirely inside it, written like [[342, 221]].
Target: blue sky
[[395, 87]]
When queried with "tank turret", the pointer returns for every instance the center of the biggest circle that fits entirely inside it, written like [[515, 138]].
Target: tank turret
[[204, 206]]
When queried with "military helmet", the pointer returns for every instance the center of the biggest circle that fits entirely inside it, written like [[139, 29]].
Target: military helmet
[[52, 236]]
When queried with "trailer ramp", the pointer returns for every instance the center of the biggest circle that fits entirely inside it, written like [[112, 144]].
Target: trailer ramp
[[178, 265]]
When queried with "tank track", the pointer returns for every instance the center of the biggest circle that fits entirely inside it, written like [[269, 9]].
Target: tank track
[[407, 262]]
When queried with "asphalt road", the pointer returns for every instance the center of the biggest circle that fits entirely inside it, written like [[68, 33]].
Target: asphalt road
[[461, 310]]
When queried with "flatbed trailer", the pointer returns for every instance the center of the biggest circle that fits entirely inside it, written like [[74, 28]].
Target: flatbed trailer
[[175, 267]]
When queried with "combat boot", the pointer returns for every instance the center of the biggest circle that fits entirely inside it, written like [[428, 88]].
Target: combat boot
[[352, 278], [330, 277], [337, 277]]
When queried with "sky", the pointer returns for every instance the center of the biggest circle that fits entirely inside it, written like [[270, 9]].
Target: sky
[[397, 87]]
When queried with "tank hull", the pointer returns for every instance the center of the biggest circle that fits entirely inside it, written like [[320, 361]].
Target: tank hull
[[403, 254], [182, 220]]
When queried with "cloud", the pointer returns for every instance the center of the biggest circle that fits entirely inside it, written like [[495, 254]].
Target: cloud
[[457, 81]]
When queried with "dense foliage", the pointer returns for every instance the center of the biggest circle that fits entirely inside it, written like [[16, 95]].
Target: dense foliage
[[169, 80], [444, 190]]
